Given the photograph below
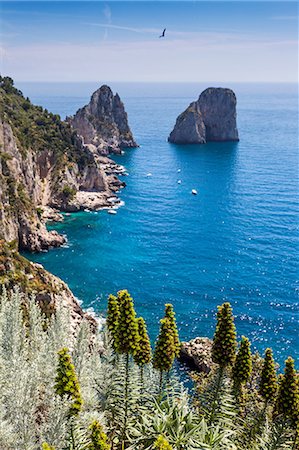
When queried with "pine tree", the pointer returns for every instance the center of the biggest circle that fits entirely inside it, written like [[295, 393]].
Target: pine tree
[[243, 364], [268, 382], [287, 403], [127, 335], [165, 349], [161, 443], [98, 439], [112, 320], [170, 314], [224, 342], [143, 354], [66, 382]]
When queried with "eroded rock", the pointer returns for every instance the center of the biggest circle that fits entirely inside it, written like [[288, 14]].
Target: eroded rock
[[197, 354], [212, 117], [103, 123]]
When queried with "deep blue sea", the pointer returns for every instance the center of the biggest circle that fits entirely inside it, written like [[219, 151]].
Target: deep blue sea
[[236, 241]]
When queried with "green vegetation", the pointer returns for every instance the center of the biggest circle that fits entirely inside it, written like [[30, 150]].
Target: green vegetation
[[112, 319], [165, 349], [224, 343], [52, 398], [162, 444], [66, 382], [38, 129], [268, 383], [98, 439], [143, 354], [17, 270], [243, 363], [169, 314], [287, 403]]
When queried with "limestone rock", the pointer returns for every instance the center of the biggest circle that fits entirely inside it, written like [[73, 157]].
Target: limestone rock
[[45, 164], [197, 354], [33, 279], [189, 127], [103, 123], [212, 117], [218, 108]]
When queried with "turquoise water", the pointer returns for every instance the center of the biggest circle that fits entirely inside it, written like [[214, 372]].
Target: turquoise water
[[237, 240]]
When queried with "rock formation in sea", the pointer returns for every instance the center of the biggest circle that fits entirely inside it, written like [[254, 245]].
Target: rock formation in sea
[[103, 123], [212, 117], [197, 354], [189, 127], [45, 164]]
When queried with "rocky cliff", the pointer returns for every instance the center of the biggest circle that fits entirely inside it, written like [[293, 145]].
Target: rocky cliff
[[32, 279], [44, 163], [103, 123], [212, 117]]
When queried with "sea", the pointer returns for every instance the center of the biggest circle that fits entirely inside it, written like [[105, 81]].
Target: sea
[[237, 240]]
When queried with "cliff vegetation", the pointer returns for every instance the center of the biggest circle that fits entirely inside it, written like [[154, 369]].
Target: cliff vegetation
[[66, 390]]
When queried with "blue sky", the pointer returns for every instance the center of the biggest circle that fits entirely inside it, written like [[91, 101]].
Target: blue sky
[[118, 41]]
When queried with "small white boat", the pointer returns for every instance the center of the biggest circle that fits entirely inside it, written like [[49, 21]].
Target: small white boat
[[194, 192], [179, 170], [179, 181], [112, 211], [149, 175]]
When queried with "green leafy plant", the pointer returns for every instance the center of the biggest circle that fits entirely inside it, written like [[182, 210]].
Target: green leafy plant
[[144, 353], [162, 444], [165, 349], [127, 343], [46, 446], [243, 364], [287, 402], [66, 382], [169, 314], [112, 320], [97, 437], [224, 342], [268, 382]]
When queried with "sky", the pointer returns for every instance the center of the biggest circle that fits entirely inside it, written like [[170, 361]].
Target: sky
[[119, 41]]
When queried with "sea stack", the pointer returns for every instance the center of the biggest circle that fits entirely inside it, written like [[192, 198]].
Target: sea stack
[[212, 117], [103, 123]]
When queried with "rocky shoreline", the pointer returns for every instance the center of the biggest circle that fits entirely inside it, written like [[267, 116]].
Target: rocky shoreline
[[48, 166]]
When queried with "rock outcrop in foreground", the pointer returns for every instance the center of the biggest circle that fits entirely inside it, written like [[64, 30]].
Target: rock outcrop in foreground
[[32, 279], [211, 118], [103, 123], [197, 354]]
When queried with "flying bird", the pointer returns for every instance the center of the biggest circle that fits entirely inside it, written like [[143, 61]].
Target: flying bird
[[163, 34]]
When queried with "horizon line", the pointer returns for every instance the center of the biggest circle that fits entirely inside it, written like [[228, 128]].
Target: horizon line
[[154, 81]]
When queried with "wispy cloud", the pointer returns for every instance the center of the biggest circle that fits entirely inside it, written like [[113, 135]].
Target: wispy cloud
[[147, 60], [121, 27]]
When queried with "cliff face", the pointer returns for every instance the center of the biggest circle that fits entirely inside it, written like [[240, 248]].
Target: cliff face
[[103, 123], [211, 118], [218, 108], [33, 279], [43, 162], [189, 127]]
